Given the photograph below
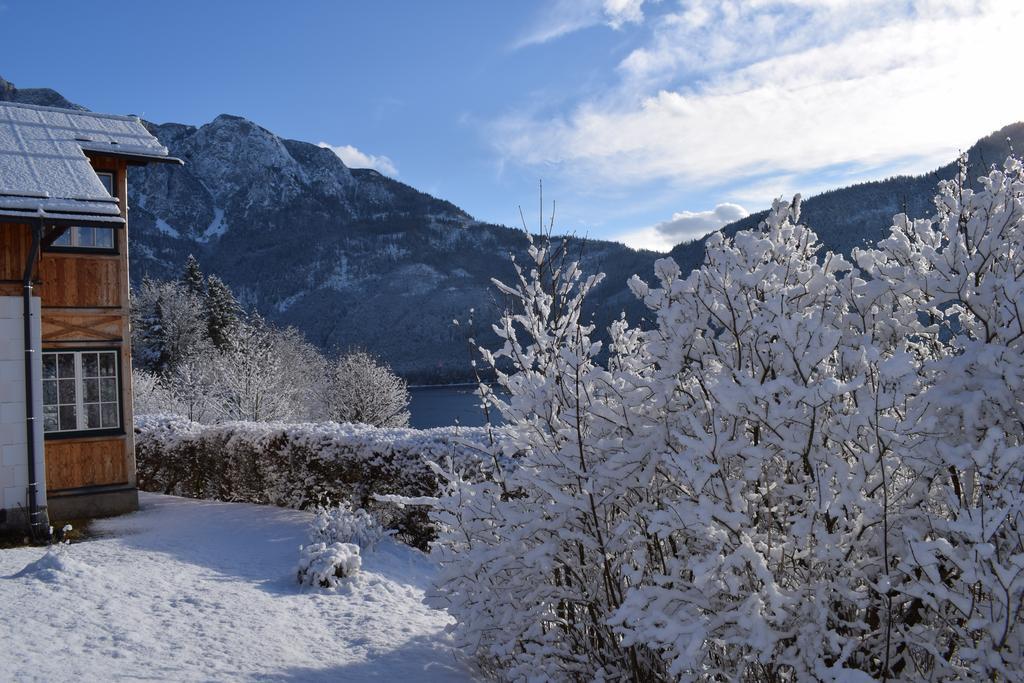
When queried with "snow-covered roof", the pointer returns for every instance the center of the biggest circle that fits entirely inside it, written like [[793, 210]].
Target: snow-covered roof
[[43, 165]]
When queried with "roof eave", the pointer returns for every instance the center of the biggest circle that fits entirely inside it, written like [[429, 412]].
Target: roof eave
[[134, 158], [61, 219]]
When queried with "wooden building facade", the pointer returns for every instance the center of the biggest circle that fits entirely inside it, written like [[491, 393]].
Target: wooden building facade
[[65, 259]]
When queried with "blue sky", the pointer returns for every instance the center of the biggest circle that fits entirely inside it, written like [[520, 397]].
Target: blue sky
[[649, 122]]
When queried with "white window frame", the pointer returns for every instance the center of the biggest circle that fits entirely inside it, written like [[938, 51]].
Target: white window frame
[[72, 237], [80, 402]]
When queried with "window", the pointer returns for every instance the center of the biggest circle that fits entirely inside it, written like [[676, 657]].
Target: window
[[90, 238], [80, 391]]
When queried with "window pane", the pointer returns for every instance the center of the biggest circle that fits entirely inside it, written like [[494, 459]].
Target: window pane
[[68, 420], [85, 237], [108, 390], [110, 417], [50, 419], [49, 365], [104, 238], [92, 416], [66, 365], [108, 365], [91, 390], [90, 365], [67, 390], [50, 392], [64, 240], [108, 182], [98, 405]]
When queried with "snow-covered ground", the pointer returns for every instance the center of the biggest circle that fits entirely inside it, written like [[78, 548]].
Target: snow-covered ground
[[198, 590]]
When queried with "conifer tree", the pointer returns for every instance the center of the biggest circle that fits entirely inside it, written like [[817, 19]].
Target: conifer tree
[[222, 312], [192, 277]]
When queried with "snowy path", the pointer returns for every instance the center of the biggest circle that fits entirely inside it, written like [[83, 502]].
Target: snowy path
[[197, 590]]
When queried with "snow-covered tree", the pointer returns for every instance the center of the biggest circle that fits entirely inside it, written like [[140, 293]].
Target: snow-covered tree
[[264, 375], [168, 324], [359, 388], [533, 564], [194, 383], [149, 397], [222, 312]]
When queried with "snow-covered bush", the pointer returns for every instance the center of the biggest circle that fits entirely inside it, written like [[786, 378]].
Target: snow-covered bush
[[805, 470], [360, 388], [340, 523], [326, 564], [149, 397], [265, 374], [957, 547], [304, 465]]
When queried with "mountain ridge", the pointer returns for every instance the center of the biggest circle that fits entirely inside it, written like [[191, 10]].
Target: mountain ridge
[[354, 258]]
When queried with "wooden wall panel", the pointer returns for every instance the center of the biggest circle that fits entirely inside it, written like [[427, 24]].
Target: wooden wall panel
[[64, 326], [15, 241], [72, 464], [73, 280]]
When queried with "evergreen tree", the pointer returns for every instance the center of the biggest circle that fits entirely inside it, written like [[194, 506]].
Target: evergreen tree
[[167, 325], [222, 312], [192, 277]]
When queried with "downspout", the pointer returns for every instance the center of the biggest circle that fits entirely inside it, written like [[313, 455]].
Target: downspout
[[39, 525]]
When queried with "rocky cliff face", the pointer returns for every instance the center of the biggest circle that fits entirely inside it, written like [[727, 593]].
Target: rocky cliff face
[[43, 97]]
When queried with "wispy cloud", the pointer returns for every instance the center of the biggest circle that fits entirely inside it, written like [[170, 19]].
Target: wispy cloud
[[563, 17], [733, 92], [354, 158], [684, 226]]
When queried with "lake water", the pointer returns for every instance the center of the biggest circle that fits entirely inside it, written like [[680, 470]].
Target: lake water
[[443, 406]]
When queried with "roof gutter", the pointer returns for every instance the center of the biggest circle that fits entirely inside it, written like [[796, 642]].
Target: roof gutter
[[39, 523]]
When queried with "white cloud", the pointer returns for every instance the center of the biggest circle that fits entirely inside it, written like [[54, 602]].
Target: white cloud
[[728, 93], [684, 226], [354, 158], [645, 238], [563, 17], [620, 12], [689, 225]]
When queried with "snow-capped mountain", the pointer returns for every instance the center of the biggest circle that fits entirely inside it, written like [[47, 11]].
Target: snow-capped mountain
[[349, 256]]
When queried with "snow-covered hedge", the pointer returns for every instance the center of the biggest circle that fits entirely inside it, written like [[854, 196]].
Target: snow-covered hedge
[[302, 465]]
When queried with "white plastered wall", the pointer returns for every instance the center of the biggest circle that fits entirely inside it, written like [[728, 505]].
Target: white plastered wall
[[13, 463]]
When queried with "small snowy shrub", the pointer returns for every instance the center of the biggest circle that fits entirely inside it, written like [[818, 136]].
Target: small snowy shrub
[[343, 524], [326, 564]]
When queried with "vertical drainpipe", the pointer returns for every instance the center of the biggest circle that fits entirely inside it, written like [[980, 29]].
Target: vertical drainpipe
[[38, 524]]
